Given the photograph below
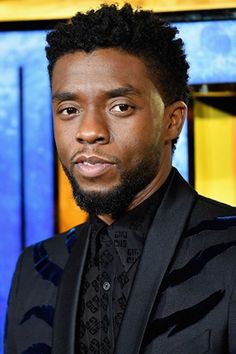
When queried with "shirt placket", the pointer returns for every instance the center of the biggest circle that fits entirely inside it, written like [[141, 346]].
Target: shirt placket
[[106, 274]]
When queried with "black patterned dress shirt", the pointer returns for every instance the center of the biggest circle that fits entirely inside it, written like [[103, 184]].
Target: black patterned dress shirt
[[111, 264]]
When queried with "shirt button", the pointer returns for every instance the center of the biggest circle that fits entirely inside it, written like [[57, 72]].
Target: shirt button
[[106, 285]]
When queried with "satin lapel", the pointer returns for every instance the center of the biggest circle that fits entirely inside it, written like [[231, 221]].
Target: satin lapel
[[159, 249], [67, 300]]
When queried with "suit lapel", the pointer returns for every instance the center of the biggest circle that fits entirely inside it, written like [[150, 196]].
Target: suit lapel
[[68, 295], [159, 249]]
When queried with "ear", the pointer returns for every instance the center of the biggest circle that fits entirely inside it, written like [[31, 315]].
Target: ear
[[174, 118]]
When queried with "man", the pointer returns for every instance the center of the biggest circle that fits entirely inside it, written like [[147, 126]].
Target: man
[[153, 268]]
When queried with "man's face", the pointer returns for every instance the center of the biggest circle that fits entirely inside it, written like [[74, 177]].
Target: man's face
[[108, 124]]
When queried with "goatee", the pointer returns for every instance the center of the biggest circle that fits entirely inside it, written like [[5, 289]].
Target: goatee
[[116, 201]]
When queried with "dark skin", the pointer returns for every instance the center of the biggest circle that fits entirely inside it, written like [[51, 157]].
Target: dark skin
[[108, 115]]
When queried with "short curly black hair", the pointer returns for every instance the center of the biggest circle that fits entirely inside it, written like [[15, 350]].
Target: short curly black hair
[[138, 32]]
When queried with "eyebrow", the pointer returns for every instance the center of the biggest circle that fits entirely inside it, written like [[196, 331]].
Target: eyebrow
[[119, 91], [64, 96], [123, 91]]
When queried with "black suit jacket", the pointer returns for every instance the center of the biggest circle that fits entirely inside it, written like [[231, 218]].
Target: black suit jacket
[[183, 299]]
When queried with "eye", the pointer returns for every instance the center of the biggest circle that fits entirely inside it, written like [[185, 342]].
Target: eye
[[122, 109], [68, 111]]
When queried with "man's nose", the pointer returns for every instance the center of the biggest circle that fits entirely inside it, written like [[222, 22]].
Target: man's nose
[[93, 128]]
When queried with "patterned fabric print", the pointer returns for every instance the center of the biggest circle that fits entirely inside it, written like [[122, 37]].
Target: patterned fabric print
[[183, 318], [94, 322], [45, 313], [44, 266], [39, 348], [195, 265], [51, 272], [219, 223], [70, 239], [111, 264]]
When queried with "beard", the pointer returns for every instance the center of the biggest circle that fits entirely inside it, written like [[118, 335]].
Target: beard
[[116, 201]]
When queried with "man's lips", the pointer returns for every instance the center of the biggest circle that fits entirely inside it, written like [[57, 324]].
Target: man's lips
[[92, 166]]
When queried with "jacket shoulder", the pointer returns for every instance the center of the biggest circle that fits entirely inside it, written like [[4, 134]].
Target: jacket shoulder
[[46, 259], [209, 210], [217, 205], [57, 244]]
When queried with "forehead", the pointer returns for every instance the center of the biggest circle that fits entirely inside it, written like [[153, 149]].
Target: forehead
[[100, 68]]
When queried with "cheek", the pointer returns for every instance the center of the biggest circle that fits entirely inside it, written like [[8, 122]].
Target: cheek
[[144, 135], [130, 145]]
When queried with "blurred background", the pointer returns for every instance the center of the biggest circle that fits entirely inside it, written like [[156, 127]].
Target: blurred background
[[35, 199]]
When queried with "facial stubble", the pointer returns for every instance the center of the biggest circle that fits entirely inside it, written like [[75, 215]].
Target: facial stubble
[[116, 201]]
